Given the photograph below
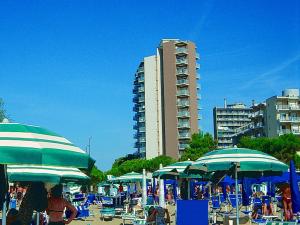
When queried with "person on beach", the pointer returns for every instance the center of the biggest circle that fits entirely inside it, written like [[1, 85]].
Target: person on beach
[[287, 203], [56, 206]]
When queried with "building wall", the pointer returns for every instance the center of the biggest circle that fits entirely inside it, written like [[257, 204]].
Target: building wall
[[271, 118], [193, 88], [151, 108], [169, 102]]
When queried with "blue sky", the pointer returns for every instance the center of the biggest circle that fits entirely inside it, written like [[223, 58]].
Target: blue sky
[[69, 65]]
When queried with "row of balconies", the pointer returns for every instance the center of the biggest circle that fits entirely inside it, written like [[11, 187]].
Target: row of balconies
[[233, 113], [233, 119], [288, 131], [288, 107], [289, 119]]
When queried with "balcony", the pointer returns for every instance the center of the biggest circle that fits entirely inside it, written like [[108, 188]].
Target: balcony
[[198, 87], [181, 61], [135, 99], [183, 114], [182, 82], [197, 66], [183, 104], [141, 79], [184, 135], [289, 119], [134, 91], [142, 129], [141, 89], [142, 139], [140, 70], [199, 96], [288, 107], [181, 50], [141, 109], [135, 117], [183, 125], [183, 146], [198, 76], [183, 93], [141, 119], [142, 149], [182, 72], [197, 56], [141, 99], [135, 126]]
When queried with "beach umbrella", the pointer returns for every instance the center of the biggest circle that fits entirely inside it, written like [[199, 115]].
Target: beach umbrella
[[46, 174], [176, 170], [28, 144], [242, 161], [131, 177], [295, 193]]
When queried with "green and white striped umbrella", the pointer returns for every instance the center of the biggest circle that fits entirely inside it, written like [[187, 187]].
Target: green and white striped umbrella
[[174, 170], [27, 144], [47, 174], [128, 178], [249, 161]]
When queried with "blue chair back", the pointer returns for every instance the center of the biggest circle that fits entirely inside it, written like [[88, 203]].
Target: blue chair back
[[13, 204], [215, 202]]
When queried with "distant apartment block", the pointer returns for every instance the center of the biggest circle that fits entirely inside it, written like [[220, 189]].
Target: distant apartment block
[[283, 114], [166, 99], [227, 120], [277, 116]]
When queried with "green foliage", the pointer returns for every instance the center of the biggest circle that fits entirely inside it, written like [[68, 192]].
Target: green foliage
[[96, 176], [137, 165], [198, 146], [284, 147], [2, 110]]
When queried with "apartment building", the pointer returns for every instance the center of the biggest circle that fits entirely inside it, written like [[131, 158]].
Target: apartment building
[[283, 114], [166, 99], [227, 120]]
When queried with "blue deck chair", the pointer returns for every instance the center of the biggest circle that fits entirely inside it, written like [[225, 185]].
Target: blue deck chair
[[83, 212], [107, 201]]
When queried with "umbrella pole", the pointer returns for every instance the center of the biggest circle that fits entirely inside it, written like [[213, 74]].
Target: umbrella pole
[[144, 188], [4, 212], [37, 218], [161, 192], [236, 196]]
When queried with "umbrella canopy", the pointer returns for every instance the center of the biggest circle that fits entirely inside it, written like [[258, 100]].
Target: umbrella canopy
[[47, 174], [27, 144], [242, 161], [249, 161], [128, 178], [173, 170]]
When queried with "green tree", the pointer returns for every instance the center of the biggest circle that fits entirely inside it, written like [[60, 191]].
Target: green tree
[[284, 147], [198, 146], [2, 110], [137, 165], [96, 176]]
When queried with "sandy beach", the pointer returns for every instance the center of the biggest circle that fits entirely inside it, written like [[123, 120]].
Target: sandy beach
[[95, 219]]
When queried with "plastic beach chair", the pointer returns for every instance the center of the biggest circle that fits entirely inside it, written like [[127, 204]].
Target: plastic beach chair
[[83, 212], [107, 213]]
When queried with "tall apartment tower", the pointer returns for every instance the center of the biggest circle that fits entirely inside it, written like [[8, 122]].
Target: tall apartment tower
[[227, 120], [166, 99], [283, 114]]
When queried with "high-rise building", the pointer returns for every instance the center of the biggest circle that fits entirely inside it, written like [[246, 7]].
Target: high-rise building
[[283, 114], [227, 120], [166, 99]]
